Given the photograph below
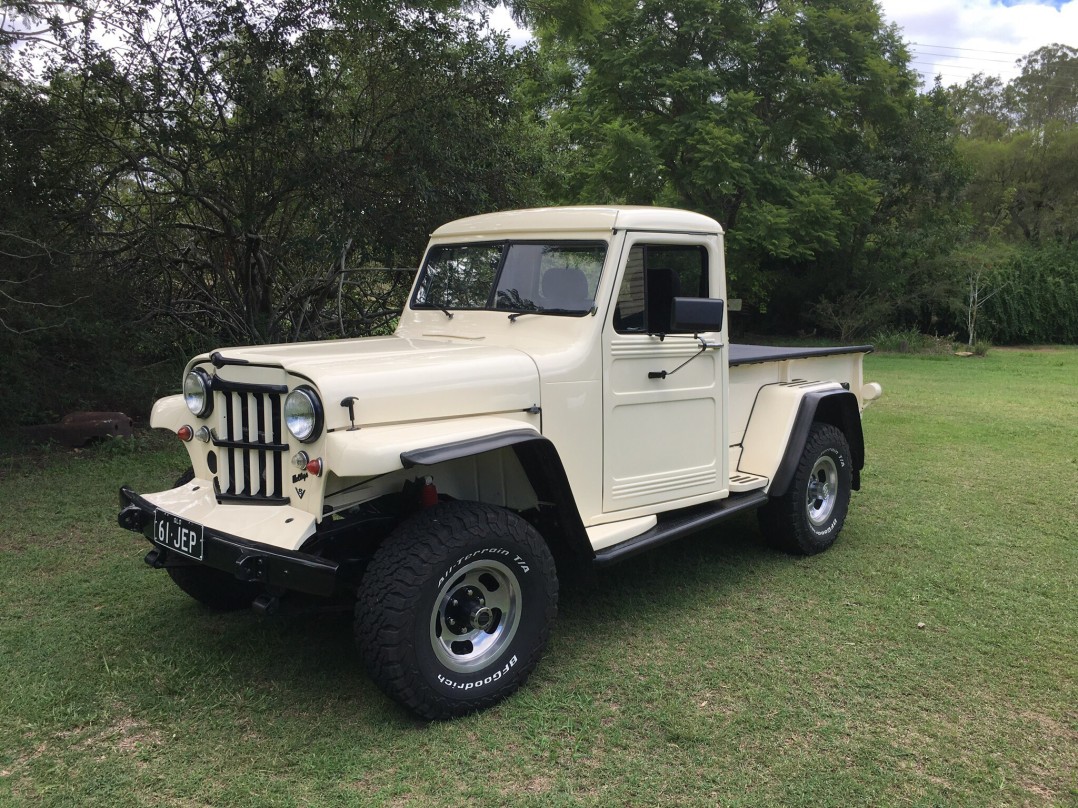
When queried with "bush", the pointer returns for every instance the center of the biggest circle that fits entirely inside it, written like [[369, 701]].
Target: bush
[[910, 340], [1041, 302]]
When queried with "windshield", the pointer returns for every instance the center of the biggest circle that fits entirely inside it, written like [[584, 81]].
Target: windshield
[[513, 276]]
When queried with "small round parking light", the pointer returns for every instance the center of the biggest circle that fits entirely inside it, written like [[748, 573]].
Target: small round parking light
[[315, 467], [185, 433]]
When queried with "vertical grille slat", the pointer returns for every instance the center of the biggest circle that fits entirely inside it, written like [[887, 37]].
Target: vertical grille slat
[[253, 470], [260, 421], [245, 431], [230, 414], [277, 425]]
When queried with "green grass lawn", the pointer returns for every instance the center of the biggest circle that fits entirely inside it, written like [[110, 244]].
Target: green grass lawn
[[928, 659]]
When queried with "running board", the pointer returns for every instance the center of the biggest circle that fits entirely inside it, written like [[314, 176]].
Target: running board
[[678, 524]]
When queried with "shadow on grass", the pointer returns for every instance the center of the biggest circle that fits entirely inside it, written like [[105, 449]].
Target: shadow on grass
[[294, 663]]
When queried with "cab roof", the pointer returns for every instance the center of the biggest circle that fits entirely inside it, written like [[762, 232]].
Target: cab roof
[[581, 218]]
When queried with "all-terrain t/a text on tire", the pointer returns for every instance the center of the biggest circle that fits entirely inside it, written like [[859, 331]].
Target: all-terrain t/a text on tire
[[809, 516], [455, 608]]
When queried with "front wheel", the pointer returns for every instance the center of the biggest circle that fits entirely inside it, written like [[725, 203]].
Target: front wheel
[[809, 516], [455, 608]]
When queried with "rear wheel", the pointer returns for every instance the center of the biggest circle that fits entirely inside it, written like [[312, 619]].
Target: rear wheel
[[455, 608], [809, 516]]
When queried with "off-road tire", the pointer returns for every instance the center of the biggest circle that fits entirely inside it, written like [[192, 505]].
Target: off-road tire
[[808, 518], [482, 568], [212, 588]]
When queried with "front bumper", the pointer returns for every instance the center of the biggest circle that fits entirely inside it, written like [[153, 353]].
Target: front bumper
[[248, 561]]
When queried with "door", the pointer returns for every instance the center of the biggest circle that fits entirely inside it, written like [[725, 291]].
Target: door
[[662, 432]]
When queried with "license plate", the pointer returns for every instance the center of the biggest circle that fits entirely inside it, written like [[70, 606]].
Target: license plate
[[178, 535]]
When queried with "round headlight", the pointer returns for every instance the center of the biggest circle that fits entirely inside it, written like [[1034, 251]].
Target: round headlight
[[197, 393], [303, 414]]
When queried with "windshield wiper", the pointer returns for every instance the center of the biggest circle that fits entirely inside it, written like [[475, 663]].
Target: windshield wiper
[[515, 314]]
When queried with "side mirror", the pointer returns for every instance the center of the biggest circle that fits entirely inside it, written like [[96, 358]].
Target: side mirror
[[692, 315]]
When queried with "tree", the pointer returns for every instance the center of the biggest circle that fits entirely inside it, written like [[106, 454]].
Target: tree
[[218, 167], [1022, 146], [795, 124], [985, 270], [1020, 141]]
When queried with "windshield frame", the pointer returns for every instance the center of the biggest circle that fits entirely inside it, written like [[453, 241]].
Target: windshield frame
[[600, 246]]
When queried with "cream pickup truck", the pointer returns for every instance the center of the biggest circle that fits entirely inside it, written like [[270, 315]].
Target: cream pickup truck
[[560, 391]]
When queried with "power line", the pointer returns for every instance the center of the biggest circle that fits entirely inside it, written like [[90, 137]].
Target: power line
[[970, 50], [928, 74], [966, 58], [964, 68]]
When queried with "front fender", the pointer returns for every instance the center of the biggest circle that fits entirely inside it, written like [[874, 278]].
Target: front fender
[[170, 413], [371, 451]]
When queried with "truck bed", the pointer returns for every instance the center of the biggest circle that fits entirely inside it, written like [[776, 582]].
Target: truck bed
[[754, 366]]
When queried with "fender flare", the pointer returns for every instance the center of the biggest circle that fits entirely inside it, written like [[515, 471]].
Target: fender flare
[[170, 413], [541, 463], [836, 407]]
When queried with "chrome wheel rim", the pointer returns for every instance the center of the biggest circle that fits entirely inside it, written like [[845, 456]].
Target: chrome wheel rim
[[822, 492], [475, 615]]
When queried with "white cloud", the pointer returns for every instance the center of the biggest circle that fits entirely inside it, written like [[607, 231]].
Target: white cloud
[[953, 38], [501, 20], [958, 38]]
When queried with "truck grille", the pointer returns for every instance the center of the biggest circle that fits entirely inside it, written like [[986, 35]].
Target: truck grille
[[251, 463]]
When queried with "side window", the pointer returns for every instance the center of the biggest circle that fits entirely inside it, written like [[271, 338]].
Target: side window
[[654, 275]]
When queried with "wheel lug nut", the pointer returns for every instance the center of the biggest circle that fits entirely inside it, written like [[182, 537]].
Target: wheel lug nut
[[451, 621], [453, 602]]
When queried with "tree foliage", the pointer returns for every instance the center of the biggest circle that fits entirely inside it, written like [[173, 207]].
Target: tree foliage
[[797, 125], [182, 174], [1020, 140], [219, 166]]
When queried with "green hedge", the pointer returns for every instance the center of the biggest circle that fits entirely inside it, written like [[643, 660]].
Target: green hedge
[[1040, 303]]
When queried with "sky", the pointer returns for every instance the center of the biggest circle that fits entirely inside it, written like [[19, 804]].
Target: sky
[[959, 38]]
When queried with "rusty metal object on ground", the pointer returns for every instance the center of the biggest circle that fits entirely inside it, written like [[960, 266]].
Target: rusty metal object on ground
[[79, 428]]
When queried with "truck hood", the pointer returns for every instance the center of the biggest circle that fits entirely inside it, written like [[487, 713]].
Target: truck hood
[[395, 379]]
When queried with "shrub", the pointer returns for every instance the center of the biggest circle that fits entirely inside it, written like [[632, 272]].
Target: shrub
[[1041, 304], [910, 340]]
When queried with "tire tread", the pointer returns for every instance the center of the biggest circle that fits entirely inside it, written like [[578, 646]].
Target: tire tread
[[782, 520], [401, 566]]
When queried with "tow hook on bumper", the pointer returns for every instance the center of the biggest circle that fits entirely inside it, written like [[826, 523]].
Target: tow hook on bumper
[[132, 517], [251, 568], [248, 561]]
